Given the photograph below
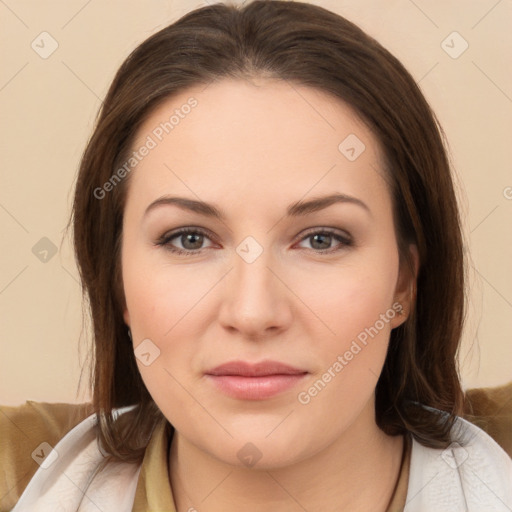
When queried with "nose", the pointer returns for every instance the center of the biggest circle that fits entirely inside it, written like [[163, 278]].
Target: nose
[[256, 302]]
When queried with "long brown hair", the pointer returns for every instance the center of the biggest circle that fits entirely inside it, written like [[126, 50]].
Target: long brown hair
[[307, 45]]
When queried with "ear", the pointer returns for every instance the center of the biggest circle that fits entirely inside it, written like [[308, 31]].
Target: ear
[[126, 316], [405, 291]]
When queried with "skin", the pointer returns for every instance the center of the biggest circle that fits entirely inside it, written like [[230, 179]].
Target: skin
[[252, 149]]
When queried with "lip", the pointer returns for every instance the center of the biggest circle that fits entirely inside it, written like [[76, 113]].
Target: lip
[[254, 381]]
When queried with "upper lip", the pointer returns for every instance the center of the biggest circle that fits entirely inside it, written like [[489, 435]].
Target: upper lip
[[246, 369]]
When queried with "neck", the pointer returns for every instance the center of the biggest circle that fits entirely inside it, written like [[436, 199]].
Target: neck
[[358, 472]]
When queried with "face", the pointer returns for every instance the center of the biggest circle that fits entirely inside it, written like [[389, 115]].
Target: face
[[258, 276]]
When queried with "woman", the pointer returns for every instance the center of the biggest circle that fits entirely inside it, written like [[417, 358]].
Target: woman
[[267, 233]]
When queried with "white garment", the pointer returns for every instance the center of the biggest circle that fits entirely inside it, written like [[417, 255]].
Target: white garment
[[476, 477], [474, 474]]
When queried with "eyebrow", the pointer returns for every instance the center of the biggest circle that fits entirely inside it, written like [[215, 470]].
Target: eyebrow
[[297, 209]]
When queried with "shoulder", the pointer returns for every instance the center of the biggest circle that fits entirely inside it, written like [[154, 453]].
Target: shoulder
[[26, 432], [473, 473]]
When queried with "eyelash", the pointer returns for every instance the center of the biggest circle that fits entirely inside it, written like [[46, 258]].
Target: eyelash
[[164, 241]]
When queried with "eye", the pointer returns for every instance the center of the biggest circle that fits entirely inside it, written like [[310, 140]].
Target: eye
[[321, 240], [191, 240]]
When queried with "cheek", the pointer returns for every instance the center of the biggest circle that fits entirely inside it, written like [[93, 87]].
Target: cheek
[[157, 299], [158, 312], [160, 297], [350, 297], [352, 358], [354, 303]]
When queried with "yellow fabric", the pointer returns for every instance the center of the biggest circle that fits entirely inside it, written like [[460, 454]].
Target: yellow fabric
[[153, 488], [24, 428]]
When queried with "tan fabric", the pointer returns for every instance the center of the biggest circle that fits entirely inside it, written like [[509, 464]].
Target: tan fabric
[[491, 410], [24, 428]]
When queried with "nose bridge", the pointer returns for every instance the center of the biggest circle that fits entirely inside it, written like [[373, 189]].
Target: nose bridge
[[253, 279], [255, 300]]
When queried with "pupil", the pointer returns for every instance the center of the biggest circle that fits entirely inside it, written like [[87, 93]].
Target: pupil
[[316, 237], [190, 238]]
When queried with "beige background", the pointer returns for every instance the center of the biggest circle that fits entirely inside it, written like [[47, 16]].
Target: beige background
[[48, 108]]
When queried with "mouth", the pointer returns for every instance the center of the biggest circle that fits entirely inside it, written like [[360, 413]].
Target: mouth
[[249, 381]]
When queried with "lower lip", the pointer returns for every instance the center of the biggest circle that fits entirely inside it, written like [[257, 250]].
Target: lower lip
[[255, 388]]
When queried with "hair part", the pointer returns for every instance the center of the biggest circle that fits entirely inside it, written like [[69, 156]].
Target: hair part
[[305, 45]]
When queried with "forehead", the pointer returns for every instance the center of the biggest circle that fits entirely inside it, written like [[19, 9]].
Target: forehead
[[258, 139]]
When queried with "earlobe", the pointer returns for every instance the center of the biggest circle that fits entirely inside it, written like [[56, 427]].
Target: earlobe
[[405, 291], [126, 317]]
